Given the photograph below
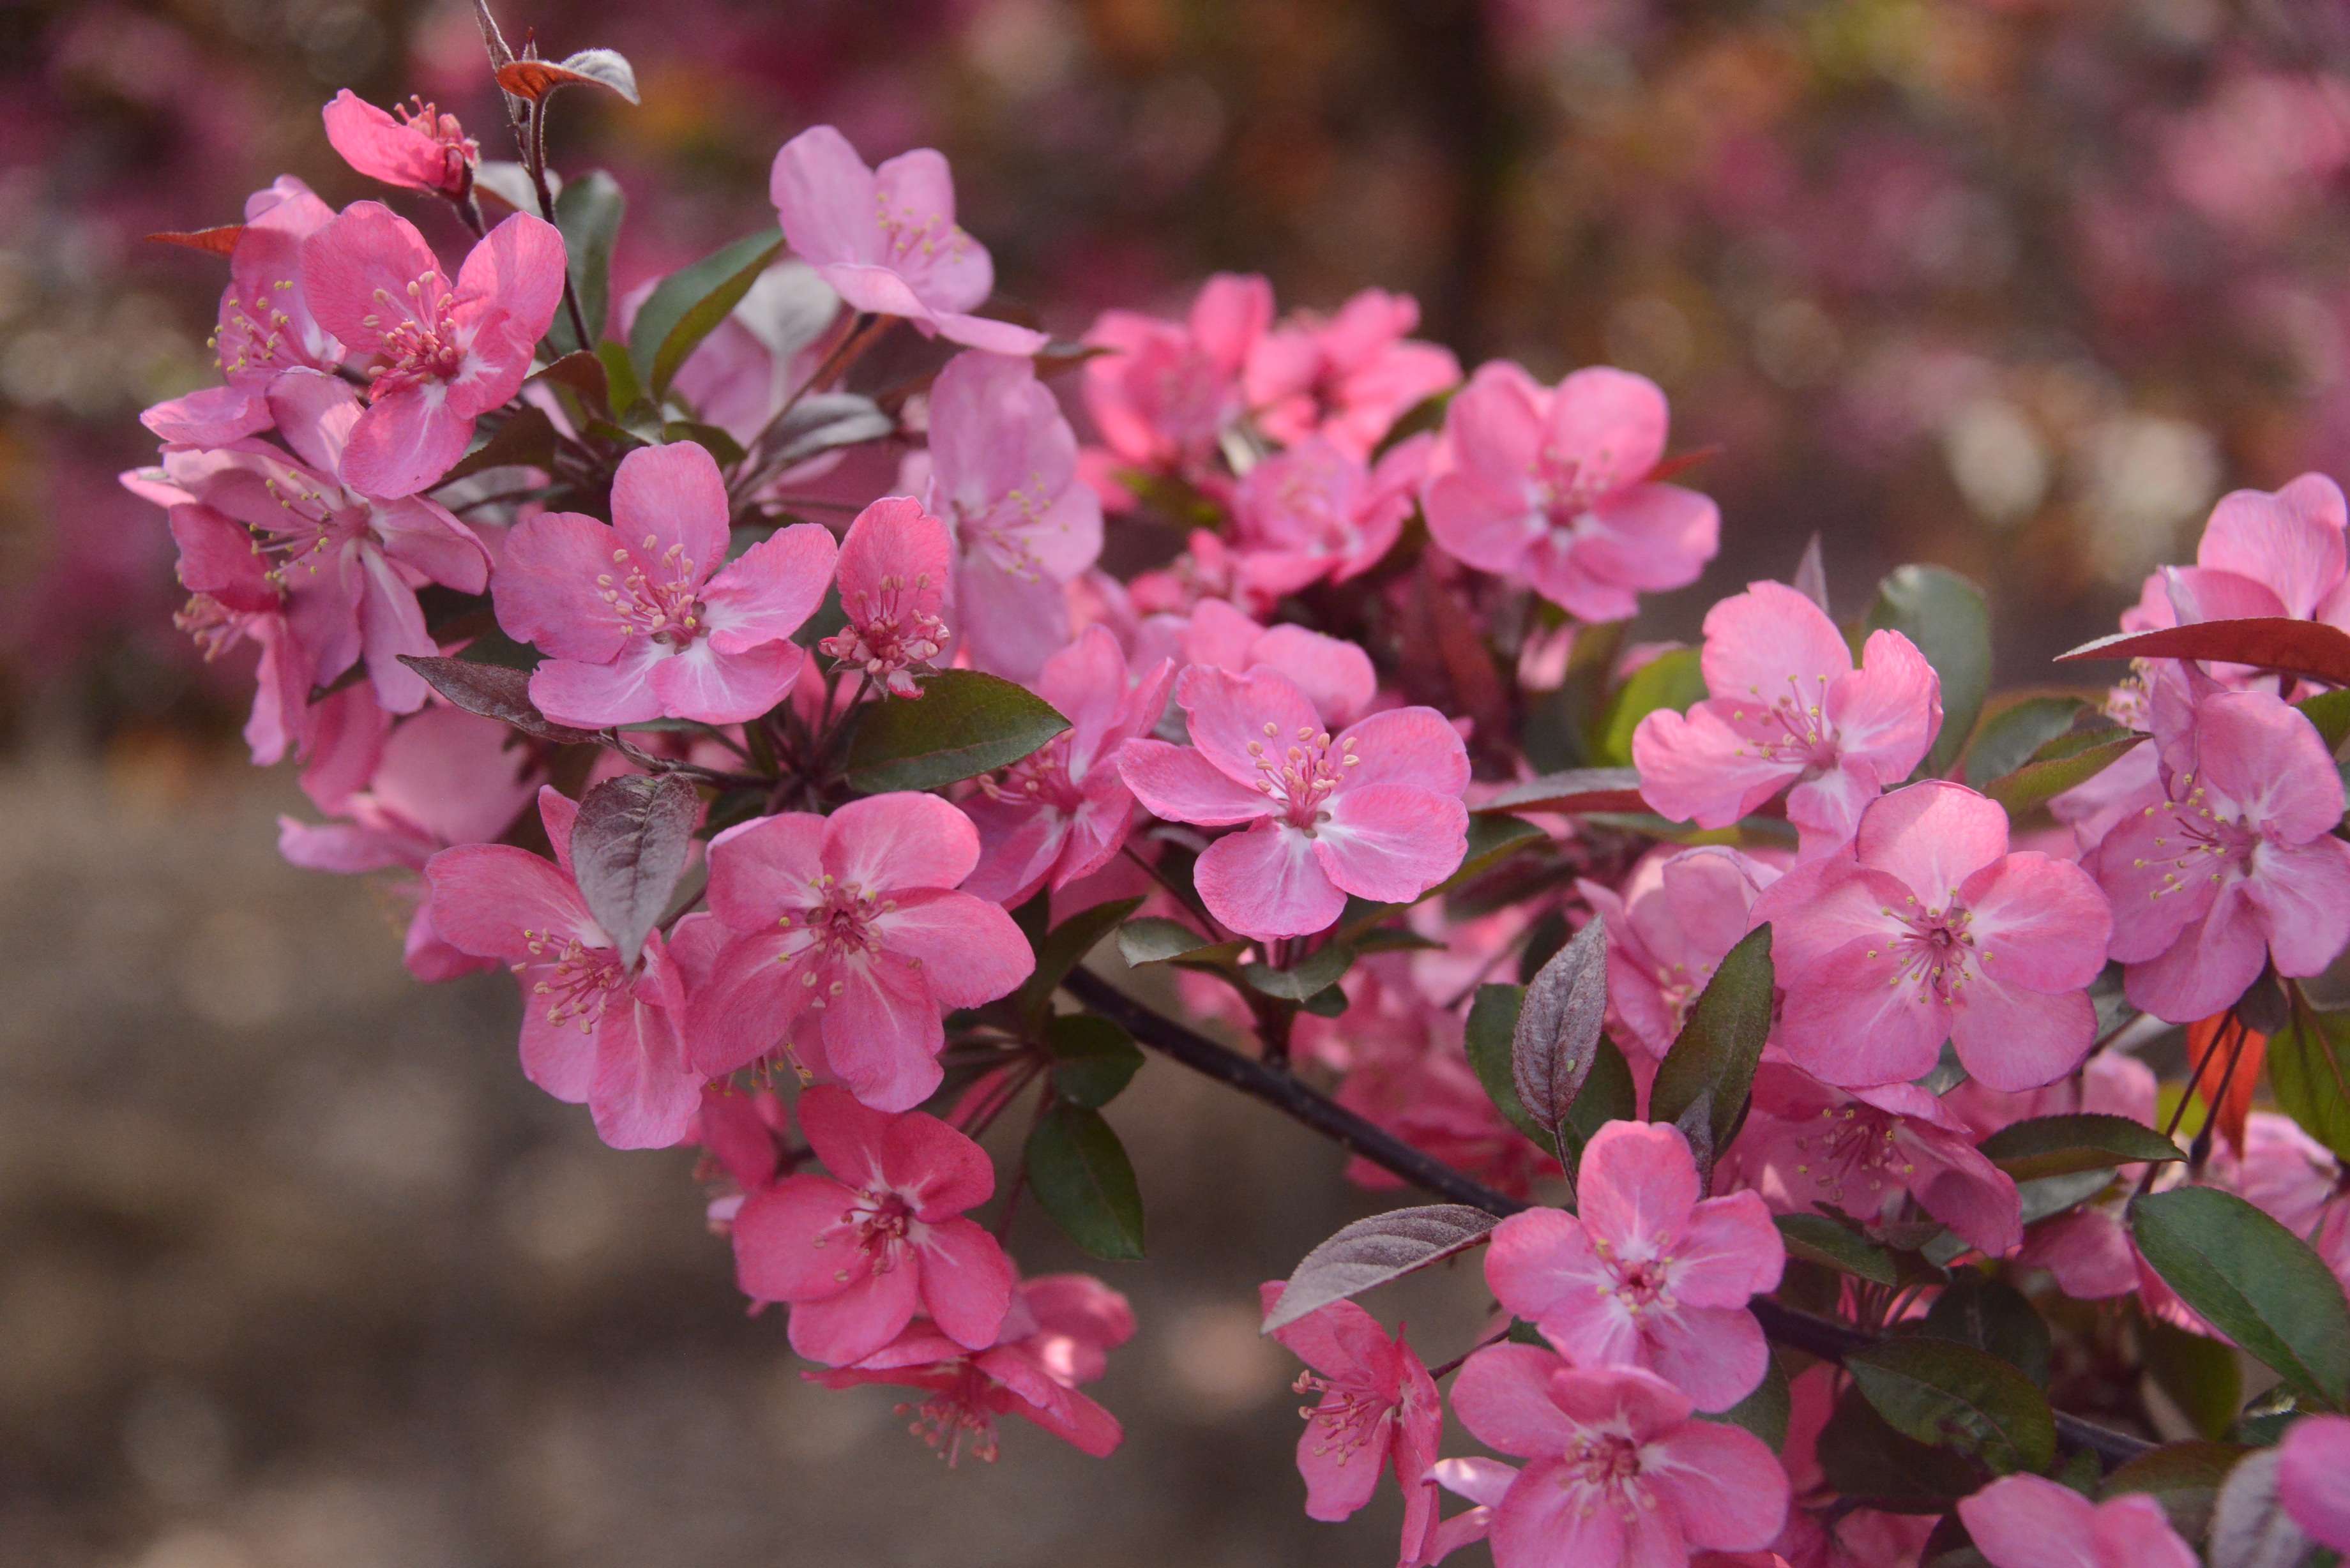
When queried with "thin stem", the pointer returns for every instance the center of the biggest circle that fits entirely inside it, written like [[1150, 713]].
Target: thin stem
[[1816, 1336], [866, 331], [1186, 897], [2201, 1149], [1453, 1365], [533, 135]]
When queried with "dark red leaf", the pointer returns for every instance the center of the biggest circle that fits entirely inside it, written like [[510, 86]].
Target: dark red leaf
[[2309, 649], [628, 848], [1577, 789], [495, 692]]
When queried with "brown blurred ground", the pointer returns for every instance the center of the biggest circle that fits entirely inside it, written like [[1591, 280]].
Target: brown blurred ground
[[296, 1271]]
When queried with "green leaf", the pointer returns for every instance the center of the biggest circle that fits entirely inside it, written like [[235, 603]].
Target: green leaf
[[1035, 918], [2253, 1281], [2185, 1477], [1818, 1239], [2043, 1147], [582, 374], [1154, 939], [1063, 950], [1093, 1058], [723, 448], [1991, 1316], [1955, 1396], [2046, 1198], [588, 213], [2202, 1375], [1671, 680], [1869, 1462], [2309, 1069], [688, 304], [1371, 1252], [1492, 1020], [2008, 737], [2046, 776], [1764, 1412], [526, 439], [963, 724], [1944, 615], [1085, 1182], [1491, 840], [1310, 976], [2330, 712], [623, 389], [1721, 1044]]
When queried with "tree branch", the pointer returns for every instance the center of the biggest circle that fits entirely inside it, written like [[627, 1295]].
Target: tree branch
[[1816, 1336]]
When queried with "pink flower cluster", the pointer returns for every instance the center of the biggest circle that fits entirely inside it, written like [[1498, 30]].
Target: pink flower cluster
[[848, 747]]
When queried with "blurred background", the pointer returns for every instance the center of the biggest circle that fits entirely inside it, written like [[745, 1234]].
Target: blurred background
[[295, 1268]]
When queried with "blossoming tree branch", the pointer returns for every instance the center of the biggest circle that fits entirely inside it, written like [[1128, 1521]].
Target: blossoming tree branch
[[1775, 1023]]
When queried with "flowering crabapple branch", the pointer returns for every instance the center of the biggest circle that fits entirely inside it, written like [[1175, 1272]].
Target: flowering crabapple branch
[[1797, 1330], [1778, 992]]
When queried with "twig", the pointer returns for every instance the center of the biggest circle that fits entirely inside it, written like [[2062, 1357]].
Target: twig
[[1817, 1336]]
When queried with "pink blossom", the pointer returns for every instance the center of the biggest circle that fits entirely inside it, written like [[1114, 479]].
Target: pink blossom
[[2236, 865], [886, 238], [853, 917], [1552, 486], [266, 326], [2030, 1521], [1786, 707], [2314, 1479], [1619, 1474], [858, 1253], [1647, 1272], [1166, 391], [1002, 474], [1867, 1153], [1930, 930], [1678, 913], [348, 566], [414, 146], [1336, 676], [1062, 811], [1349, 376], [594, 1030], [1317, 511], [1374, 811], [444, 778], [894, 566], [1379, 1411], [1057, 1337], [2281, 551], [644, 617], [1484, 1482], [438, 356]]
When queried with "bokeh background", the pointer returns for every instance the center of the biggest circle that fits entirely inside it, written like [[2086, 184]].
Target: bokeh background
[[296, 1270]]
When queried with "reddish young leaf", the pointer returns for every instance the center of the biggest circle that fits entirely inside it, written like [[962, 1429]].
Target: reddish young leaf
[[534, 79], [219, 240], [2308, 648]]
